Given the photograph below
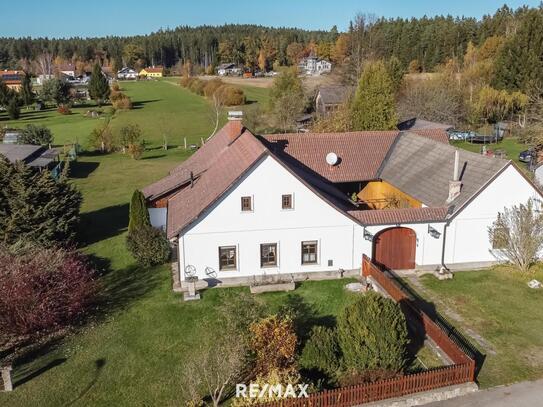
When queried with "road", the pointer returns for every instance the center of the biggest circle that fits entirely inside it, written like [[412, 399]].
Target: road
[[524, 394]]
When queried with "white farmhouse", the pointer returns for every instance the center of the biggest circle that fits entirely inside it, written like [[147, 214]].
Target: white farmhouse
[[314, 66], [310, 205], [127, 73]]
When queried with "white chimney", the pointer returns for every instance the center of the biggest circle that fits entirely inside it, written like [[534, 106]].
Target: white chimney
[[235, 115], [455, 185]]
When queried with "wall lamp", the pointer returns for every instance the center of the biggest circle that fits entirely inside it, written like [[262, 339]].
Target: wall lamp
[[367, 235], [433, 232]]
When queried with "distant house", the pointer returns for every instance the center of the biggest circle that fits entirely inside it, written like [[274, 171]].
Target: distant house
[[228, 69], [329, 98], [38, 157], [314, 66], [67, 70], [420, 124], [43, 78], [127, 73], [13, 79], [152, 72]]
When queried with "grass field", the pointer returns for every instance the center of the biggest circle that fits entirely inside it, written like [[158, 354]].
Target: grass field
[[503, 316], [160, 109]]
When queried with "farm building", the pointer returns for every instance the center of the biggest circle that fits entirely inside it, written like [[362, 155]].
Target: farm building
[[152, 72], [310, 205]]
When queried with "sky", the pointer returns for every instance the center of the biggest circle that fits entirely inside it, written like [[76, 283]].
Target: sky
[[54, 18]]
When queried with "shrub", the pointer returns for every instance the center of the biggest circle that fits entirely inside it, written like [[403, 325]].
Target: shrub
[[42, 290], [101, 138], [321, 352], [230, 95], [122, 102], [211, 86], [36, 134], [148, 245], [115, 87], [136, 150], [64, 109], [185, 81], [197, 86], [274, 344], [372, 334], [13, 109]]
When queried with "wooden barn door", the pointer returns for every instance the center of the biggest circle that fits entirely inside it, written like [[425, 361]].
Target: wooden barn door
[[395, 248]]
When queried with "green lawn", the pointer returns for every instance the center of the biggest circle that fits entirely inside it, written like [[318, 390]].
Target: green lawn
[[498, 306], [511, 146]]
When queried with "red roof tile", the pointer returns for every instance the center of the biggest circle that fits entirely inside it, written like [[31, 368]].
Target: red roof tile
[[360, 153], [433, 134], [229, 166], [396, 216]]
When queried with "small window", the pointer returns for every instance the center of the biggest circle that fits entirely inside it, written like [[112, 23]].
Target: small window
[[246, 203], [286, 201], [309, 252], [268, 255], [227, 258]]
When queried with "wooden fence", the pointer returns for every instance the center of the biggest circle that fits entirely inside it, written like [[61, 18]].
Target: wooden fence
[[462, 371]]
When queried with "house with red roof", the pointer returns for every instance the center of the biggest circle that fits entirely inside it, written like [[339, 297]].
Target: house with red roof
[[310, 205]]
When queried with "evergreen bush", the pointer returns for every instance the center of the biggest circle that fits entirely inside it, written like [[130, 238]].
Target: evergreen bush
[[148, 245]]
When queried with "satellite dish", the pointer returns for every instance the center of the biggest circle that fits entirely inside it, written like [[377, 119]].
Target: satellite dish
[[190, 271], [331, 158]]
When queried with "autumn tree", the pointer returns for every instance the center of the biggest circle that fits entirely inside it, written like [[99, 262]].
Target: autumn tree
[[516, 235], [287, 98], [373, 106], [295, 52]]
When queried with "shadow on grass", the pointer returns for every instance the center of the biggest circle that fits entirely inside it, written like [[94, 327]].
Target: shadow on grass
[[103, 223], [141, 103], [152, 157], [82, 169], [98, 366]]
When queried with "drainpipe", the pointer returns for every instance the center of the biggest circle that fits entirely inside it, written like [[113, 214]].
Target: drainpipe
[[443, 265]]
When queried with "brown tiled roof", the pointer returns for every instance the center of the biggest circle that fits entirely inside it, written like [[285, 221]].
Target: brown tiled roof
[[155, 69], [433, 134], [397, 216], [197, 163], [230, 165], [360, 153]]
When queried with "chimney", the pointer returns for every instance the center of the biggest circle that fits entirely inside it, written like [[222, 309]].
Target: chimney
[[235, 125], [455, 185]]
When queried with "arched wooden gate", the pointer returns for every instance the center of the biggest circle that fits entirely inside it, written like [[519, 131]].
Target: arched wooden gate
[[395, 248]]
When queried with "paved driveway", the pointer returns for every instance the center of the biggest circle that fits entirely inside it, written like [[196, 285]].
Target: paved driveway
[[524, 394]]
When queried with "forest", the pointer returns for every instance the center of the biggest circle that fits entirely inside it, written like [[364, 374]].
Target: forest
[[423, 42]]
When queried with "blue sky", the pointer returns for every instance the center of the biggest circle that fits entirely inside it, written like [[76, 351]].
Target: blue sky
[[55, 18]]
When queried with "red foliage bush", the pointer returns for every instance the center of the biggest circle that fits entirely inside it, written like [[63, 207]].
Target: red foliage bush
[[42, 290], [64, 109]]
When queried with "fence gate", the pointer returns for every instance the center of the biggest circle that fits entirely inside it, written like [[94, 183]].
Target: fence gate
[[395, 248]]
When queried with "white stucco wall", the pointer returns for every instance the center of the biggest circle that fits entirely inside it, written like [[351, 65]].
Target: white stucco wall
[[467, 234], [339, 238]]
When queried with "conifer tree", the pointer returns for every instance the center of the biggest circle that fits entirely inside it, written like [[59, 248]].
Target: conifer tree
[[37, 208], [373, 106], [98, 85], [139, 215], [26, 93]]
